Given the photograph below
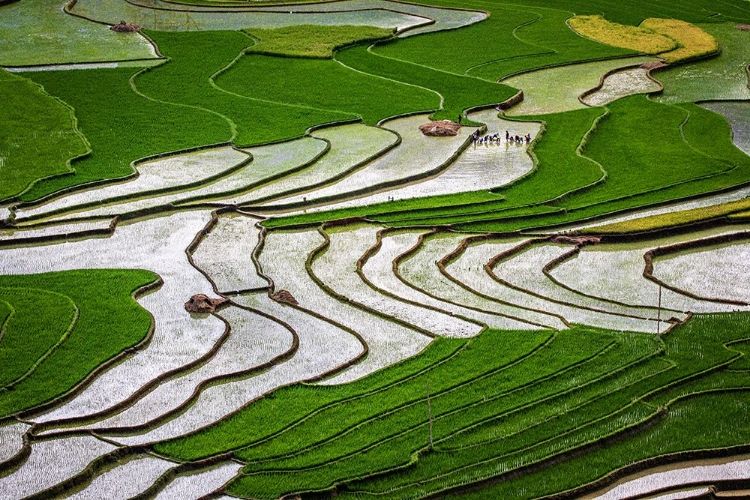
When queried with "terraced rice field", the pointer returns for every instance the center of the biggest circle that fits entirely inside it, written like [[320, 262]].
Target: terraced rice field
[[40, 32], [557, 89], [551, 303], [621, 84]]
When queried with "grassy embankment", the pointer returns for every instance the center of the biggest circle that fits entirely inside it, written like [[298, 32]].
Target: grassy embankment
[[38, 135], [120, 125], [374, 90], [694, 418], [253, 118], [129, 114], [543, 395], [512, 40], [306, 83], [67, 311], [693, 351], [50, 324]]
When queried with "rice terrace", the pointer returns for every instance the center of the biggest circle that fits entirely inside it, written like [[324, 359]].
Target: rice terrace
[[374, 249]]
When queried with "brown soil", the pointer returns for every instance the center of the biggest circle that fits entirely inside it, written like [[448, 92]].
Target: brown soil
[[576, 240], [201, 303], [509, 103], [440, 129], [123, 27], [653, 65], [285, 297]]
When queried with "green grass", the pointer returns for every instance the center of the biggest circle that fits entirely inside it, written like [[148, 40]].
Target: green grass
[[689, 352], [458, 51], [308, 82], [40, 321], [103, 298], [325, 435], [707, 134], [39, 32], [494, 410], [458, 92], [120, 125], [642, 149], [312, 41], [6, 310], [38, 135], [252, 120], [474, 377], [181, 108], [645, 150], [744, 362], [694, 419], [470, 399], [510, 41]]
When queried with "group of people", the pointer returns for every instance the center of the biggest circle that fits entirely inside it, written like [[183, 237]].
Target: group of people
[[495, 138]]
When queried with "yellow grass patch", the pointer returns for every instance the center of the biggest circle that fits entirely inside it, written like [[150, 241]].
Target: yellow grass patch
[[673, 39], [741, 215], [733, 209], [692, 40], [619, 35]]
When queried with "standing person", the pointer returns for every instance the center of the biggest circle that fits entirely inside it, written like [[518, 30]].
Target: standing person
[[459, 118], [507, 136]]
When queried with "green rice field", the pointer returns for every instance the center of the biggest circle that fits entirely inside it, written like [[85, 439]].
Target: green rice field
[[369, 249]]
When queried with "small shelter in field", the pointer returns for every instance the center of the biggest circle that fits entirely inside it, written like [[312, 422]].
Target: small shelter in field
[[123, 27]]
